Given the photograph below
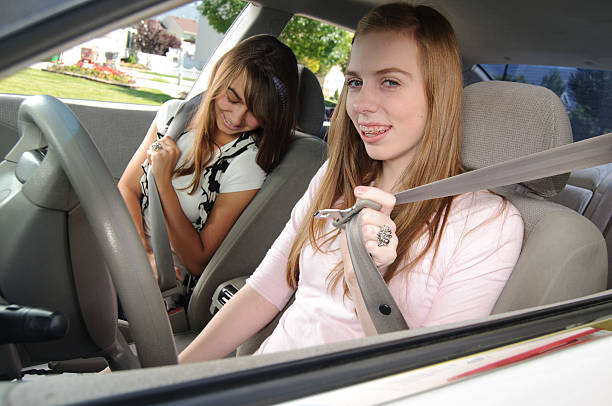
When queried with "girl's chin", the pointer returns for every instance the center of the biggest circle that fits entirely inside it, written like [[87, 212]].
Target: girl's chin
[[376, 154], [379, 153]]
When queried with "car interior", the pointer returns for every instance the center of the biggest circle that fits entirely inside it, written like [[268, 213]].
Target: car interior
[[69, 245]]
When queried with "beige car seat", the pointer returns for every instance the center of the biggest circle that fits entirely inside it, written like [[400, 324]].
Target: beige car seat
[[564, 254], [589, 192]]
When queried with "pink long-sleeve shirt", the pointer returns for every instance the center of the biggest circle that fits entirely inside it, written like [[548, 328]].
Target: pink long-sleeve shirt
[[478, 250]]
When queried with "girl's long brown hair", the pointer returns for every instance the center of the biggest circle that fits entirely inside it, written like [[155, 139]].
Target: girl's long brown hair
[[438, 152], [261, 58]]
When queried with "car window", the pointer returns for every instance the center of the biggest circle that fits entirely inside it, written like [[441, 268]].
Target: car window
[[586, 93], [324, 49], [148, 62]]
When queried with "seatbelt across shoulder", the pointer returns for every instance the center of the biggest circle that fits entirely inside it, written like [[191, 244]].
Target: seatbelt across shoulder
[[160, 243], [381, 307]]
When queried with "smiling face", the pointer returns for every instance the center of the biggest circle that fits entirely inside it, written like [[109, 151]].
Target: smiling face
[[232, 115], [386, 98]]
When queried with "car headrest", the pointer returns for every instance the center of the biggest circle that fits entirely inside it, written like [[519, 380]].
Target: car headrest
[[311, 109], [507, 120]]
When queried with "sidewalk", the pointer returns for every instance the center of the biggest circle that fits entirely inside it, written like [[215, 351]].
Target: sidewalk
[[171, 88]]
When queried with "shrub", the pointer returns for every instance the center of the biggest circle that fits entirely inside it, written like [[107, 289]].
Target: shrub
[[95, 71], [132, 59]]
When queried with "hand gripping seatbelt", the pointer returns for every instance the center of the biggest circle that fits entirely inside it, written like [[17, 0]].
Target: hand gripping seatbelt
[[379, 303], [160, 243]]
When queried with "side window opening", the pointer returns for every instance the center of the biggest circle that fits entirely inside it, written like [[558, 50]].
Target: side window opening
[[324, 49], [586, 93], [148, 62]]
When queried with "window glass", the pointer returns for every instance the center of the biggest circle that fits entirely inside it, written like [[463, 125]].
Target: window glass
[[147, 62], [586, 94], [324, 49]]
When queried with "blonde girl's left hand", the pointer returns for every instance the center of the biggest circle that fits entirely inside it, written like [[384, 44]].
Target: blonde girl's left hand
[[373, 223]]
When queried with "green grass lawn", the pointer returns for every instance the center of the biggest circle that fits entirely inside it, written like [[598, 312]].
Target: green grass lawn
[[34, 81]]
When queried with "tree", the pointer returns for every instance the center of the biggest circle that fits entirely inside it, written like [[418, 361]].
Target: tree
[[553, 81], [509, 77], [221, 13], [316, 45], [592, 92], [152, 38]]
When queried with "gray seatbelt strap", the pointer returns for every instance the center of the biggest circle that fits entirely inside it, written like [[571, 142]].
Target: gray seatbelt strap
[[379, 303], [160, 243], [383, 310], [566, 158]]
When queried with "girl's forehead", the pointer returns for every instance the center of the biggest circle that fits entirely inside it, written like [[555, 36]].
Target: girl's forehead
[[238, 82], [377, 51]]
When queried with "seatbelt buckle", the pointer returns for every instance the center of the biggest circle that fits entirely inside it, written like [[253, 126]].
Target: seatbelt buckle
[[341, 216]]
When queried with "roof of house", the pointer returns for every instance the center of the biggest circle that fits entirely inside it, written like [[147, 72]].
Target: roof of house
[[187, 25]]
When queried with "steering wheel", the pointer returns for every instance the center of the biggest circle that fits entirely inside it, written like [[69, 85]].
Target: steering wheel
[[110, 221]]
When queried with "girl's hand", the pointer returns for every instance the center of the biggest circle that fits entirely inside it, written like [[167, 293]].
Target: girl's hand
[[372, 221], [163, 154], [151, 258]]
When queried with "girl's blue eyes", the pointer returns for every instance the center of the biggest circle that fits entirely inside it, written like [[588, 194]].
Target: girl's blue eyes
[[354, 83], [390, 82]]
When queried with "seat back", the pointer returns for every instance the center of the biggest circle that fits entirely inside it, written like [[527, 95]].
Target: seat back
[[262, 221], [563, 254], [589, 192], [581, 188], [599, 211]]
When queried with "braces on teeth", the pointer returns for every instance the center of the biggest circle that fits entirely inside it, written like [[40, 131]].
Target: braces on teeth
[[372, 130]]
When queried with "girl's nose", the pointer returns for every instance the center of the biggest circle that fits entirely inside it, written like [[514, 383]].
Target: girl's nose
[[366, 100], [238, 115]]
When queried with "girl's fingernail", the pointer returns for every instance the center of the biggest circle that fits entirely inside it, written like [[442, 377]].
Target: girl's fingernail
[[359, 190]]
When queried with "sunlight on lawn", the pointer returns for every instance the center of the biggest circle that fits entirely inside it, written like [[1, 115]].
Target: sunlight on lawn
[[34, 81]]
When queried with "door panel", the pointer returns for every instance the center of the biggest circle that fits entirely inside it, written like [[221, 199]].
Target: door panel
[[117, 129]]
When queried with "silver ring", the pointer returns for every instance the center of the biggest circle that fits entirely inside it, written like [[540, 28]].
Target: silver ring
[[384, 236], [156, 146]]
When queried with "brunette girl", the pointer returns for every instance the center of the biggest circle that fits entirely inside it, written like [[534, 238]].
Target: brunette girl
[[239, 133]]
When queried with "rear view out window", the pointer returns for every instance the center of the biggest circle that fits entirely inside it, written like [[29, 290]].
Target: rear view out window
[[586, 94], [147, 62]]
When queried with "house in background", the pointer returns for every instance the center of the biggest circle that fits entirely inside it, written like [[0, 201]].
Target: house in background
[[333, 82], [105, 49], [198, 39], [184, 29]]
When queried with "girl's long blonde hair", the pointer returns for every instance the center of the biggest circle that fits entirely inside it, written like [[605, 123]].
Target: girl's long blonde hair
[[271, 94], [438, 152]]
